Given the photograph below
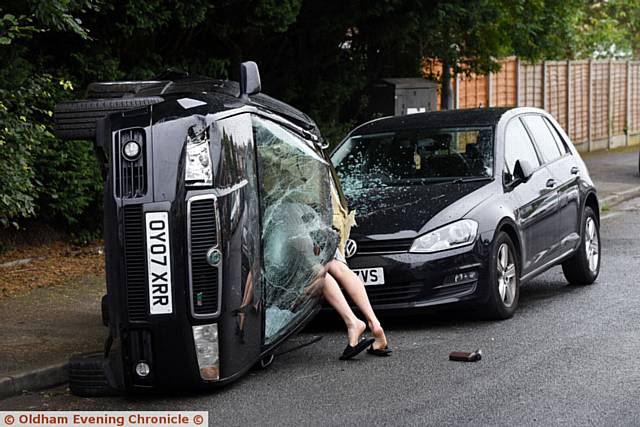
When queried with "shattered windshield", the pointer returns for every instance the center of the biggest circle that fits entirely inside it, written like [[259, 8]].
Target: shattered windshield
[[297, 236], [414, 157]]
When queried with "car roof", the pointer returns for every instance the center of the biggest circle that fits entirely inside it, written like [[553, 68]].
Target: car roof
[[436, 119]]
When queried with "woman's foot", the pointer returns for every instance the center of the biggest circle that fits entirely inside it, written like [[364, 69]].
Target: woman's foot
[[355, 331], [378, 334]]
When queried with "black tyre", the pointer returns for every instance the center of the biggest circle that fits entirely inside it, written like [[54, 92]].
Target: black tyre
[[104, 303], [584, 265], [264, 363], [87, 376], [504, 279], [102, 90], [77, 119]]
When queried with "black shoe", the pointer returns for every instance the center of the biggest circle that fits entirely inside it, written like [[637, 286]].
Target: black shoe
[[350, 352], [380, 352]]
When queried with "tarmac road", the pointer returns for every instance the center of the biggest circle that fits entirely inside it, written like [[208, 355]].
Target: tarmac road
[[570, 356]]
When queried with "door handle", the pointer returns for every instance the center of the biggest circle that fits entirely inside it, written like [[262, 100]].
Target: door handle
[[551, 183], [575, 170]]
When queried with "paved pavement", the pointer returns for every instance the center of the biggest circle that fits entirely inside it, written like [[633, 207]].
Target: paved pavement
[[42, 329], [614, 172], [46, 324], [568, 357]]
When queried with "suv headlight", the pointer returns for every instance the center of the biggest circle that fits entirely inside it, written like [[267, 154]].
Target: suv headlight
[[198, 170], [455, 235]]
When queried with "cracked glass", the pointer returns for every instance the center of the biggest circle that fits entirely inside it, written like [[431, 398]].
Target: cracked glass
[[370, 166], [297, 235]]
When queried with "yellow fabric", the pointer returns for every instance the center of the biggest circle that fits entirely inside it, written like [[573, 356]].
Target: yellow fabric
[[343, 220]]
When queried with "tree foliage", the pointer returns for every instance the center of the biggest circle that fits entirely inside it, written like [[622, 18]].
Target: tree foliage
[[609, 29], [320, 55]]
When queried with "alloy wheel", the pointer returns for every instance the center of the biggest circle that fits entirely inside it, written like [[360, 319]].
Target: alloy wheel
[[592, 244], [506, 270]]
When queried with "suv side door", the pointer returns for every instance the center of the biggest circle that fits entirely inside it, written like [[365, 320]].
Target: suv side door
[[564, 171], [535, 203]]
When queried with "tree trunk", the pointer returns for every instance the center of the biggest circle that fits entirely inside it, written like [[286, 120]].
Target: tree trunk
[[446, 92]]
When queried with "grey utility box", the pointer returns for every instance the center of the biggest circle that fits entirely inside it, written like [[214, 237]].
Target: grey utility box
[[397, 97]]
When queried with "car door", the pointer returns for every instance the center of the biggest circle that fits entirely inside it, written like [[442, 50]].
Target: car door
[[535, 200], [564, 170]]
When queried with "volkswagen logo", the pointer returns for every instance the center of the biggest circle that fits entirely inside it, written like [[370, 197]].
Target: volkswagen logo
[[350, 248]]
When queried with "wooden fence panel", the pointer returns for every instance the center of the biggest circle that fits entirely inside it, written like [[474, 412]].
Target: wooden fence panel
[[555, 92], [634, 89], [531, 85], [504, 85], [600, 100], [579, 102], [618, 95], [597, 102], [472, 91]]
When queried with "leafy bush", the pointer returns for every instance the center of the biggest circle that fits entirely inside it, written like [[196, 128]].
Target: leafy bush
[[71, 182], [39, 174], [22, 136]]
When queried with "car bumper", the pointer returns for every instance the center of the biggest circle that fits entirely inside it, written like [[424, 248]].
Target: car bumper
[[414, 280]]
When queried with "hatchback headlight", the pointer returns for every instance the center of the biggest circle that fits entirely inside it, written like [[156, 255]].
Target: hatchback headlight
[[198, 170], [455, 235]]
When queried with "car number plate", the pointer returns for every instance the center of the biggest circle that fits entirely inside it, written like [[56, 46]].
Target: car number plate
[[370, 276], [159, 263]]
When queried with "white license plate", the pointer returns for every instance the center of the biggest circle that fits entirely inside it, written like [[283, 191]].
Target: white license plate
[[370, 276], [159, 263]]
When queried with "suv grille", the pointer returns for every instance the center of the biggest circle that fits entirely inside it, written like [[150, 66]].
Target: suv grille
[[130, 175], [203, 235], [134, 259]]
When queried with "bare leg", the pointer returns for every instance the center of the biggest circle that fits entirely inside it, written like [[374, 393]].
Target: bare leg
[[334, 296], [354, 287]]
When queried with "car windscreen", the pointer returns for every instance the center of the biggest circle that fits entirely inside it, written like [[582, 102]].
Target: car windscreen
[[296, 217], [415, 157]]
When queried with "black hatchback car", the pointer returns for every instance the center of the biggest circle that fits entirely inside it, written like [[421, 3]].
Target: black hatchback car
[[464, 206]]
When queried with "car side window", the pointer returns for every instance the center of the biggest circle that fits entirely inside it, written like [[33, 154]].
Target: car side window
[[518, 146], [543, 138], [562, 145]]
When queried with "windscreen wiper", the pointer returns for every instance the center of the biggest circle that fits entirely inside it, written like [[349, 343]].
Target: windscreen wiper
[[471, 179]]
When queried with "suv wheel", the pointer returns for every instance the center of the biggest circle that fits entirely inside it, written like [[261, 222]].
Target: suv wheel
[[87, 377], [78, 119], [504, 279], [584, 265]]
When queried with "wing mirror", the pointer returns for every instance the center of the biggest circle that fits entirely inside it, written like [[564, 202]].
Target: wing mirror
[[249, 79], [522, 170]]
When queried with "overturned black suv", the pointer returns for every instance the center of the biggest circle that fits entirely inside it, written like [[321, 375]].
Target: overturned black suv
[[217, 228]]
